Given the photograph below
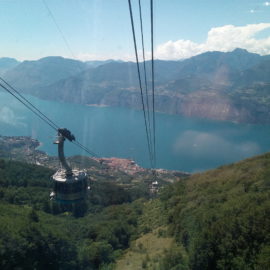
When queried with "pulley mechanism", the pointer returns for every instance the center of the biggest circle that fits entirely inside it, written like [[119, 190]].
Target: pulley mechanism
[[69, 186]]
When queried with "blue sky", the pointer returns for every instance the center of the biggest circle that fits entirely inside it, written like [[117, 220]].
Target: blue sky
[[100, 29]]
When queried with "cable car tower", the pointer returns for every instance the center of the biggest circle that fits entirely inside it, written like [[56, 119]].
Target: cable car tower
[[69, 186]]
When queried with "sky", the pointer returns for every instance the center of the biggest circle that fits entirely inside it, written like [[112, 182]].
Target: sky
[[101, 29]]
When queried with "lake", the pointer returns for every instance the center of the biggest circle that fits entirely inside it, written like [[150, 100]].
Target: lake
[[185, 144]]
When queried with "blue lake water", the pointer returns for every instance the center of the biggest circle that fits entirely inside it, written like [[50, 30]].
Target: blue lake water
[[185, 144]]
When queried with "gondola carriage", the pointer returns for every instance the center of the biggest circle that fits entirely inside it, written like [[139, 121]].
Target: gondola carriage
[[69, 186]]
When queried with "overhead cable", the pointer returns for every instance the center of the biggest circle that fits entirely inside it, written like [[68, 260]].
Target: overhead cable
[[153, 82], [15, 93], [140, 83], [37, 111], [59, 29], [85, 149], [145, 78], [26, 104]]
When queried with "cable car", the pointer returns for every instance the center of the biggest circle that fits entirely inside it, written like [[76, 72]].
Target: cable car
[[69, 186]]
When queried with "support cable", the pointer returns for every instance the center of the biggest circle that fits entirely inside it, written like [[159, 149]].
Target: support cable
[[58, 28], [145, 77], [15, 93], [140, 82], [29, 107], [85, 149], [153, 82], [29, 103]]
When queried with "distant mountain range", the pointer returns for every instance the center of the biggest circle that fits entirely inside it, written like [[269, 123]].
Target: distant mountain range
[[231, 86], [7, 63]]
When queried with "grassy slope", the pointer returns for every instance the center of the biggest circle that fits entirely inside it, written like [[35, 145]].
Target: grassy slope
[[144, 252]]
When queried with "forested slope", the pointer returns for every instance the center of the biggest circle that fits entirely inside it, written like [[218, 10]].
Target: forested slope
[[222, 217], [219, 219], [39, 234]]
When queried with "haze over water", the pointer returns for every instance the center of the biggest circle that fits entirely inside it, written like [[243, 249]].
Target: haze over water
[[184, 144]]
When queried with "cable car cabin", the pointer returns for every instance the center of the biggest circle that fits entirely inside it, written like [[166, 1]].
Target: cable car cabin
[[69, 186]]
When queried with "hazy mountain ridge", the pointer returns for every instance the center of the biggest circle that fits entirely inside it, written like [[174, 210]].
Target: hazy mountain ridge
[[30, 75], [211, 85], [7, 63], [96, 63]]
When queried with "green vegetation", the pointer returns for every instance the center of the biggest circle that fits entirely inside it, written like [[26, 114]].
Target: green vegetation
[[145, 252], [39, 234], [214, 220], [222, 217]]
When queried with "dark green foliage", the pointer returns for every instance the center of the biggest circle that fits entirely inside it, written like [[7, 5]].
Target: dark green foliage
[[219, 219], [33, 216], [25, 184], [22, 183], [222, 217], [46, 250], [42, 241], [19, 174], [93, 254], [27, 242], [174, 259], [71, 238], [106, 193]]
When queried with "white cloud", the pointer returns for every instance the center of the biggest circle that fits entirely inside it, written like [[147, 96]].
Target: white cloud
[[266, 4], [225, 38]]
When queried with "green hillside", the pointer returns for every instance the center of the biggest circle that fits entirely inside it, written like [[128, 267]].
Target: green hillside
[[213, 220], [39, 234], [219, 219], [222, 217]]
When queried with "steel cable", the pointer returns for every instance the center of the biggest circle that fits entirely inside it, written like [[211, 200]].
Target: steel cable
[[39, 114], [140, 82], [153, 83]]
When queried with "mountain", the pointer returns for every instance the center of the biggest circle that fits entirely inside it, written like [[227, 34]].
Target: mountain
[[212, 85], [211, 64], [96, 63], [7, 63], [256, 74], [113, 84], [207, 85], [212, 70], [29, 75]]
